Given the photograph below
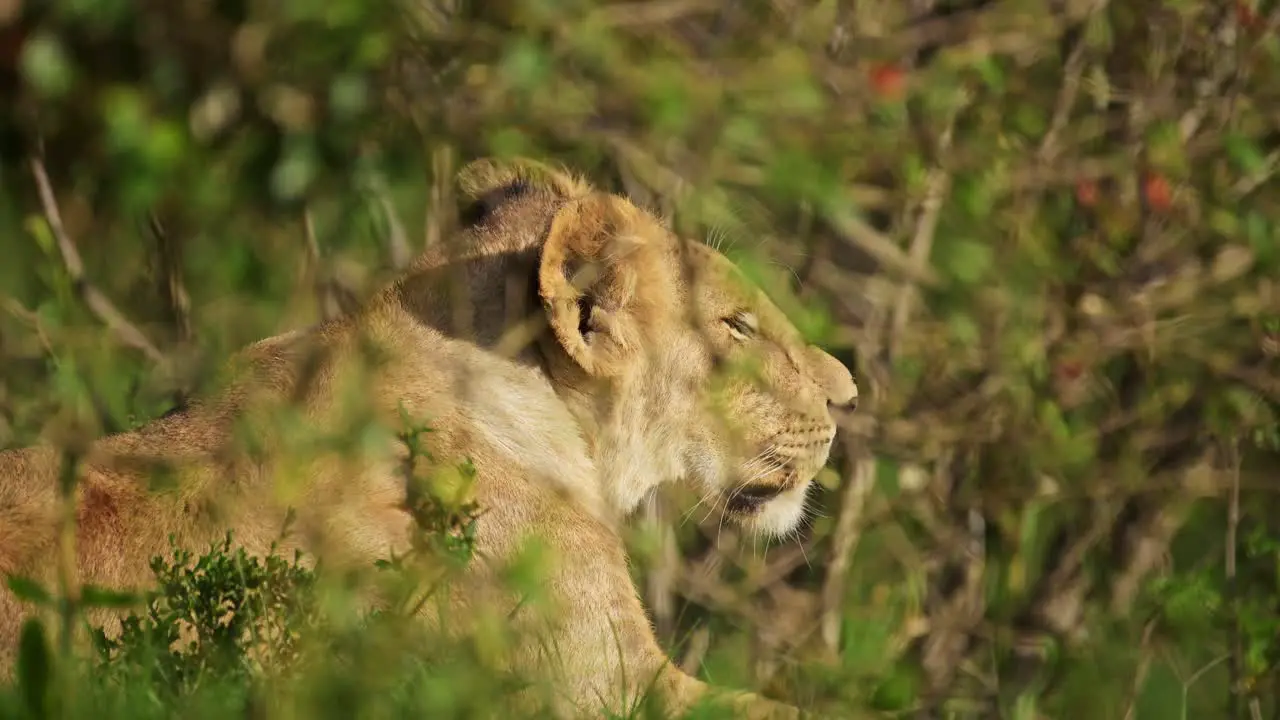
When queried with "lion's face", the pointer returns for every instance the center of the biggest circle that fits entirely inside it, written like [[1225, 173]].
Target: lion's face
[[683, 370], [765, 418]]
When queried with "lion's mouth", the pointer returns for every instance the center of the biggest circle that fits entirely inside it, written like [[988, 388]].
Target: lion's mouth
[[750, 498]]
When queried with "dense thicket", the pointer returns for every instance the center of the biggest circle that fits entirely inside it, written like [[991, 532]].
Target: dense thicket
[[1043, 231]]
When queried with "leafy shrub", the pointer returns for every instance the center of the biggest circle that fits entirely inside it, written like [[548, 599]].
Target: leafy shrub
[[1045, 234], [226, 617]]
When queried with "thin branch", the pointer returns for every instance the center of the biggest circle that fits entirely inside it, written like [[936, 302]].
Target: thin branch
[[1236, 664], [32, 318], [858, 233], [323, 288], [97, 303], [397, 239], [438, 219], [660, 583], [699, 642], [1151, 538], [848, 530], [953, 623], [172, 285], [1067, 93], [937, 183], [1144, 666], [1209, 92], [851, 228], [652, 12], [1265, 172]]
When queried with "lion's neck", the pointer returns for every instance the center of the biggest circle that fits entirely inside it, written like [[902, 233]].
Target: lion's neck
[[497, 386], [518, 395], [634, 447]]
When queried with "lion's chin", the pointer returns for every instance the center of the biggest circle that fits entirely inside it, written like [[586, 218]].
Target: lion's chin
[[778, 516]]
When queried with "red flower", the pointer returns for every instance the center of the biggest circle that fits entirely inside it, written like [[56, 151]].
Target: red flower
[[1158, 192], [888, 80]]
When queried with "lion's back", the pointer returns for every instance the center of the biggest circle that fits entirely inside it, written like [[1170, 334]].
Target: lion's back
[[28, 503]]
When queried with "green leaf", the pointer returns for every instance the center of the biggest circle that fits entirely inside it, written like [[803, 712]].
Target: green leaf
[[526, 65], [34, 668], [992, 74], [29, 590], [1030, 120], [1165, 148], [1244, 154], [95, 596], [1262, 237], [967, 260], [897, 692], [964, 329], [46, 66], [1052, 420], [295, 171]]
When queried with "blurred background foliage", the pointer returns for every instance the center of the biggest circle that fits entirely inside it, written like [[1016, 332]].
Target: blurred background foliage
[[1044, 232]]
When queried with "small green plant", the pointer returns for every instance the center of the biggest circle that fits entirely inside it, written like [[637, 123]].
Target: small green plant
[[439, 499], [225, 615]]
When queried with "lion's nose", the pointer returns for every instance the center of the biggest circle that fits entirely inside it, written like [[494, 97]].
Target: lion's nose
[[847, 406], [837, 382]]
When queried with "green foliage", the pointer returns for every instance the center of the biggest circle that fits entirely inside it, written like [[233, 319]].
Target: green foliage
[[439, 498], [224, 617], [1046, 234]]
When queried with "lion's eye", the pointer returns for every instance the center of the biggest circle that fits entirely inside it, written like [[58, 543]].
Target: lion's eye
[[742, 325]]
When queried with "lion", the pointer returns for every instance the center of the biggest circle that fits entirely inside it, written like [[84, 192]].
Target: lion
[[590, 365]]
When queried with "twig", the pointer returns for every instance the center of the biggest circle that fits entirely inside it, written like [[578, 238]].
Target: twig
[[31, 318], [980, 32], [652, 12], [697, 586], [697, 650], [1236, 664], [839, 215], [1153, 536], [1265, 172], [1144, 666], [1195, 677], [437, 222], [397, 239], [97, 303], [666, 567], [324, 287], [930, 31], [937, 183], [952, 625], [848, 530], [858, 233], [1071, 73], [68, 587], [172, 285], [1210, 92]]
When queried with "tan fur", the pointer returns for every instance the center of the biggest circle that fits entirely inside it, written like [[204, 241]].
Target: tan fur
[[618, 390]]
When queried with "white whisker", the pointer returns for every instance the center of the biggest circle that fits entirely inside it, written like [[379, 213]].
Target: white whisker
[[707, 496]]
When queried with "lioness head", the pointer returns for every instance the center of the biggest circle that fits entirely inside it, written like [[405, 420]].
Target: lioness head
[[674, 364]]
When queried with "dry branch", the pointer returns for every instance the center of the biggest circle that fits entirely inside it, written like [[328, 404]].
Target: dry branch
[[397, 239], [172, 285], [125, 331], [326, 299], [848, 529]]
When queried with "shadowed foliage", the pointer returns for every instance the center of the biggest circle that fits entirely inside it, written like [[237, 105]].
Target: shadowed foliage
[[1046, 235]]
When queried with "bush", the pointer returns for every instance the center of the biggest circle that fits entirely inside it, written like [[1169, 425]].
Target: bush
[[227, 617], [1045, 234]]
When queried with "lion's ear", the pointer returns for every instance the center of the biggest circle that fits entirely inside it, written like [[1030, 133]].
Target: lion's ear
[[482, 177], [587, 279]]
